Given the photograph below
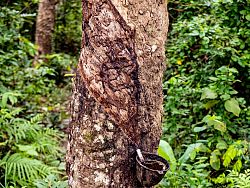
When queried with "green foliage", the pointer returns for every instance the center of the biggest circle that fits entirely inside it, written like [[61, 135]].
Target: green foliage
[[26, 11], [206, 89], [167, 153], [32, 108], [182, 173], [19, 168], [234, 179], [239, 180], [68, 27], [51, 181]]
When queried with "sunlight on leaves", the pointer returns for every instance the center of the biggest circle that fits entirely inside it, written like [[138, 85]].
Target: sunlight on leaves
[[232, 105]]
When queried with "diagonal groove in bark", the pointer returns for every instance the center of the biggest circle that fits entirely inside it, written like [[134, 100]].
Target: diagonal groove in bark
[[111, 54], [120, 68]]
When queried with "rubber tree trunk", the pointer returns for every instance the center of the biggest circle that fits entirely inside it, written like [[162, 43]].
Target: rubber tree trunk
[[117, 97], [45, 25]]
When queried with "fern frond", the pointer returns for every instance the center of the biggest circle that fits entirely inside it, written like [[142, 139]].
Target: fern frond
[[51, 181], [18, 166], [240, 180], [36, 119], [48, 141], [19, 128]]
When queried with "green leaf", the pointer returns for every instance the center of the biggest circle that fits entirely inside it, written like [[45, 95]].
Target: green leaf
[[210, 104], [215, 162], [193, 155], [29, 149], [219, 125], [207, 118], [221, 145], [248, 17], [194, 33], [216, 152], [11, 96], [238, 165], [188, 152], [229, 155], [213, 78], [225, 97], [208, 94], [199, 129], [213, 121], [167, 153], [232, 105], [12, 99], [4, 99]]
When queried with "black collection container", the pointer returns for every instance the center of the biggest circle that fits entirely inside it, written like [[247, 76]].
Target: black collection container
[[151, 170]]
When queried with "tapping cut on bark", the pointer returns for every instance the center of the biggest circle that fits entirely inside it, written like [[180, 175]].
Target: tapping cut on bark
[[118, 86], [108, 64]]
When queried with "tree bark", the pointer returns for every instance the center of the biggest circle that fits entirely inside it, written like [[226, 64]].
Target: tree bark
[[117, 95], [45, 25]]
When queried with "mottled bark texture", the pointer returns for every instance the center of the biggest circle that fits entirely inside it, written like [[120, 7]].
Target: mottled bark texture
[[45, 25], [117, 91]]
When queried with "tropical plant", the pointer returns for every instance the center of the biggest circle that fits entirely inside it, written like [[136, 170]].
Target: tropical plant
[[32, 108], [206, 88]]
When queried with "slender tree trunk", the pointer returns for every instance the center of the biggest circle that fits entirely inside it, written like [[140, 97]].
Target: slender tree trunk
[[117, 96], [45, 25]]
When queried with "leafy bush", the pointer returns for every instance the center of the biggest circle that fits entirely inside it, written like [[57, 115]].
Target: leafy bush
[[32, 107], [51, 181], [206, 90], [234, 179], [69, 27]]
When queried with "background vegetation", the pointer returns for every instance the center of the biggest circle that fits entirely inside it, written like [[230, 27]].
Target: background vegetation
[[207, 104], [33, 98], [207, 88]]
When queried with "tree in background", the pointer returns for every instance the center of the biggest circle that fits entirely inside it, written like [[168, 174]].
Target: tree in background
[[45, 25], [117, 97], [32, 103]]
